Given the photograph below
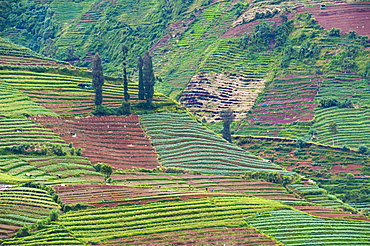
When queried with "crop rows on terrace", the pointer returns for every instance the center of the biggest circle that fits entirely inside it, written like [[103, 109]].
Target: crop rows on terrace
[[186, 51], [20, 168], [311, 161], [182, 142], [352, 123], [209, 184], [297, 228], [327, 212], [286, 102], [118, 141], [51, 235], [63, 167], [314, 194], [15, 131], [10, 49], [72, 36], [113, 226], [9, 60], [115, 195], [13, 102], [354, 191], [61, 93], [21, 206]]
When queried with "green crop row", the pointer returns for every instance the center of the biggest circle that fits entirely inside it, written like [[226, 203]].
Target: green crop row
[[297, 228], [162, 216], [188, 148]]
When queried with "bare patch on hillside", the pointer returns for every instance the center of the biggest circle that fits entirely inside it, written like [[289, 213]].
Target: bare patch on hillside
[[207, 94]]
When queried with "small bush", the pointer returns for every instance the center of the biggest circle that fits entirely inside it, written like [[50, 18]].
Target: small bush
[[362, 149]]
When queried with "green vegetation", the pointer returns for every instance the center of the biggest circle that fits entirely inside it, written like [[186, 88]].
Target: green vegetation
[[153, 218], [297, 228], [182, 142], [263, 74]]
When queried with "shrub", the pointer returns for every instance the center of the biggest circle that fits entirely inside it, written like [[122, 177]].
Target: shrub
[[300, 143], [334, 32], [345, 148], [362, 149], [23, 232]]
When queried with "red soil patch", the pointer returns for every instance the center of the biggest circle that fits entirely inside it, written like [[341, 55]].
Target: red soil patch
[[118, 141], [347, 17], [347, 169], [198, 236], [330, 212]]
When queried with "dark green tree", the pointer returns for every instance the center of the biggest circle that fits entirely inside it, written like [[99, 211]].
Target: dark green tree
[[141, 82], [125, 81], [98, 79], [366, 73], [148, 78], [333, 127], [106, 170], [227, 117]]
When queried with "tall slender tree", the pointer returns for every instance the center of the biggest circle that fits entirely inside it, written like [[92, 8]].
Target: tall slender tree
[[125, 81], [141, 82], [333, 127], [98, 79], [148, 78], [227, 116]]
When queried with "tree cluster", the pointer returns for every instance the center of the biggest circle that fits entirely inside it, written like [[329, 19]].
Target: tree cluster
[[328, 102]]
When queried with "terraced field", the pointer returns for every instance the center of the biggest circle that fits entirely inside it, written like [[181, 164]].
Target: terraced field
[[118, 141], [311, 160], [352, 123], [287, 101], [15, 103], [159, 220], [208, 184], [60, 93], [182, 142], [352, 190], [52, 234], [66, 168], [319, 211], [319, 196], [15, 131], [20, 168], [298, 228], [20, 206], [184, 52]]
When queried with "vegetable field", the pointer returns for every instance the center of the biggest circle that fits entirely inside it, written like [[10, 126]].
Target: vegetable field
[[182, 142], [297, 228], [20, 206], [118, 141], [116, 225]]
